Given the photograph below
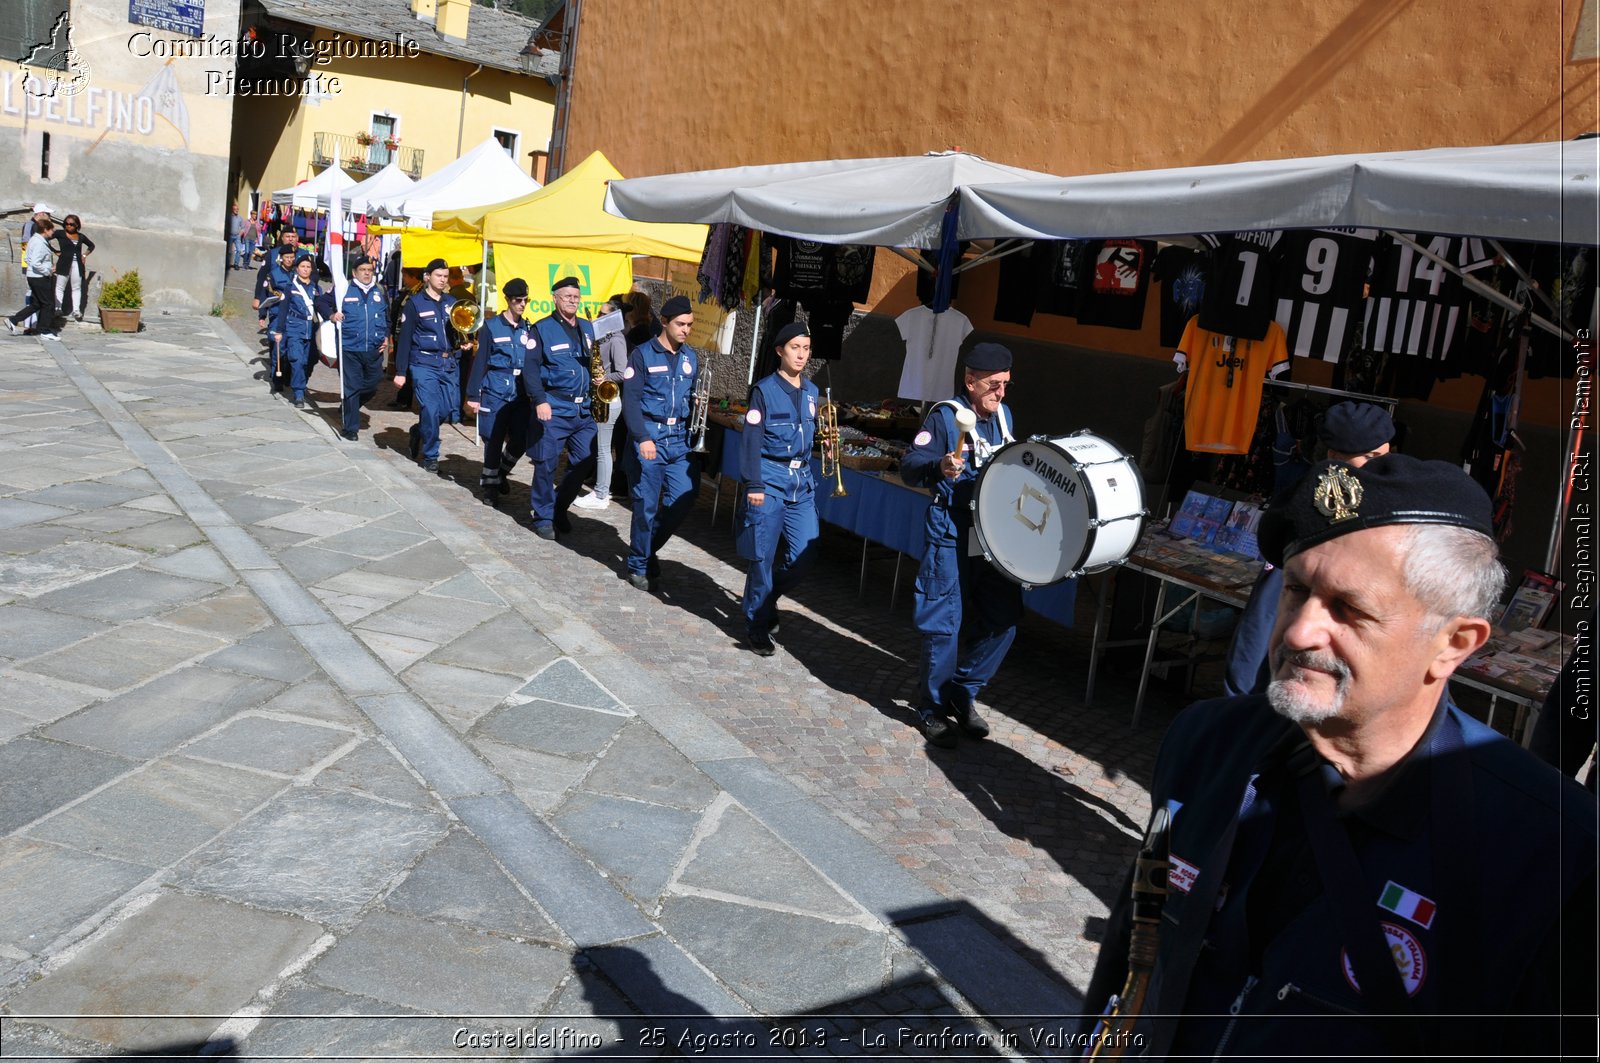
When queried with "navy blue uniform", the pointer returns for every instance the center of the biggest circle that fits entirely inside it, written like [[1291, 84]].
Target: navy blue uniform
[[559, 376], [656, 391], [954, 591], [265, 286], [425, 356], [1475, 861], [496, 386], [775, 458], [295, 321], [361, 337]]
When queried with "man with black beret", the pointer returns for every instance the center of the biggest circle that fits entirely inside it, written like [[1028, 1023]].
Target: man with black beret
[[1354, 433], [363, 317], [657, 392], [557, 381], [1351, 845], [966, 611], [426, 352], [506, 344], [272, 281]]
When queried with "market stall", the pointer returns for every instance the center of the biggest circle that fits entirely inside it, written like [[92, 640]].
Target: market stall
[[483, 176]]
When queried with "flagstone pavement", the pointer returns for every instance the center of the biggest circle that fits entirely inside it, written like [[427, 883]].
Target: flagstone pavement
[[304, 752]]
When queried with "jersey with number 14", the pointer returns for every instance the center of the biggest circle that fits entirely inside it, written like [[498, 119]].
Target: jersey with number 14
[[1418, 306]]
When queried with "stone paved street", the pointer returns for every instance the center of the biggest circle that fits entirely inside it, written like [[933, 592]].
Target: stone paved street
[[306, 750]]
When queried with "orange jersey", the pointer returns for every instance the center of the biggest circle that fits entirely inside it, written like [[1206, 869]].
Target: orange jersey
[[1223, 393]]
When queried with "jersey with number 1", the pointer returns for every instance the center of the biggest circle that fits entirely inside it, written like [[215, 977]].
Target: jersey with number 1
[[1321, 282], [1238, 299], [1419, 307]]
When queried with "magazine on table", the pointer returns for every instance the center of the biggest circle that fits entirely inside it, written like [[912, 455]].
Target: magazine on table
[[1531, 603]]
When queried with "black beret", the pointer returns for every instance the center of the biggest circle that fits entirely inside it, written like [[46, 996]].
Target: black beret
[[1334, 499], [515, 288], [988, 358], [359, 261], [566, 282], [677, 306], [1355, 427], [437, 263], [789, 332], [285, 249]]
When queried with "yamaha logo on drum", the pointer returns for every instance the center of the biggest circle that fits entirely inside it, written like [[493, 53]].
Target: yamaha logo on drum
[[1043, 469], [1027, 459]]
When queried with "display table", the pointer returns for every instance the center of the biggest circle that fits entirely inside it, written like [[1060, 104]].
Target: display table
[[880, 509], [1519, 667], [1173, 563]]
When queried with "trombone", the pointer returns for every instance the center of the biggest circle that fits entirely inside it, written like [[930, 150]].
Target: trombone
[[828, 429], [699, 409]]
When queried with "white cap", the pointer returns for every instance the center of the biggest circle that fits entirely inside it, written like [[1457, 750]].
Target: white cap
[[41, 208]]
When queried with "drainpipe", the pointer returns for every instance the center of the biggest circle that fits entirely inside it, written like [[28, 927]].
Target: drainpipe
[[461, 126], [569, 57]]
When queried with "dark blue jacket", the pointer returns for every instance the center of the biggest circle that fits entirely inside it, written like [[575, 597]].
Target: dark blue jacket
[[293, 316], [779, 430], [503, 350], [424, 329], [1501, 847], [563, 377], [949, 515], [656, 388], [366, 316]]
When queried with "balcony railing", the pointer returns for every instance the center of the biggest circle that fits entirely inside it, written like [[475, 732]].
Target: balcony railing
[[330, 149]]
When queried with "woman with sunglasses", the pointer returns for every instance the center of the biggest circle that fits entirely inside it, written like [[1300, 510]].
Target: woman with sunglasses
[[72, 266]]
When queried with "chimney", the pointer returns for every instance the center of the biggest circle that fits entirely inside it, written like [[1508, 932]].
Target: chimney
[[452, 21], [426, 10]]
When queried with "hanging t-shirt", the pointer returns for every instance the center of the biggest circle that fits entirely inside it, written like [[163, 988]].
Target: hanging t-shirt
[[1238, 298], [827, 321], [807, 269], [1021, 280], [1419, 307], [1182, 273], [1225, 380], [926, 280], [1321, 283], [933, 342], [1113, 292], [1061, 274]]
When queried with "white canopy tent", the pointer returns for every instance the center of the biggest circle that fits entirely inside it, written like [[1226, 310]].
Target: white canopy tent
[[313, 194], [1547, 193], [482, 176], [386, 183], [890, 202]]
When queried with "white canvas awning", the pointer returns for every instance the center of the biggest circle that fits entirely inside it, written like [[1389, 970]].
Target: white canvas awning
[[889, 202], [483, 175], [1546, 193], [313, 194], [387, 182]]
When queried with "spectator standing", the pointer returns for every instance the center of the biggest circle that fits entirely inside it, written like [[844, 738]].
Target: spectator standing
[[72, 267]]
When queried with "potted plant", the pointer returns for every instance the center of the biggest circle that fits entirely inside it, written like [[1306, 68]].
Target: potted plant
[[366, 139], [120, 301], [391, 142]]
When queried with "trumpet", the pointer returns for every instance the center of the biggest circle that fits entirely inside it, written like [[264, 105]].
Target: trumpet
[[828, 429], [602, 392], [699, 410], [465, 318]]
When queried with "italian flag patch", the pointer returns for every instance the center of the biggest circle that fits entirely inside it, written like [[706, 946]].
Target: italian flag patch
[[1407, 905]]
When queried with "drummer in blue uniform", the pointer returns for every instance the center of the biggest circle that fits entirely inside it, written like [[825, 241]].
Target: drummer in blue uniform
[[1354, 433], [965, 610], [425, 352], [1356, 864], [295, 324], [269, 293], [557, 382], [780, 494], [495, 394], [363, 317], [657, 388]]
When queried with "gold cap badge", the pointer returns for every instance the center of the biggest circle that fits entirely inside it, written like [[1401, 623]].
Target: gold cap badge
[[1338, 494]]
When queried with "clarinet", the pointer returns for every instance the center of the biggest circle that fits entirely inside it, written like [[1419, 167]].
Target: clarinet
[[1112, 1033]]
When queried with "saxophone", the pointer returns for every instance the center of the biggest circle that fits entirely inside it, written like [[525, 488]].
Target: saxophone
[[602, 392], [1149, 895]]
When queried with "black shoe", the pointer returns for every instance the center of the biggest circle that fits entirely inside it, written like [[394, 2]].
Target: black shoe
[[415, 444], [504, 487], [639, 581], [762, 644], [545, 531], [972, 723], [489, 496], [431, 466], [777, 619], [939, 731], [563, 522], [351, 436]]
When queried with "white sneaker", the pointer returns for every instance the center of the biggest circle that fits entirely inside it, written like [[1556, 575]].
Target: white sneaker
[[12, 325], [49, 335], [590, 502]]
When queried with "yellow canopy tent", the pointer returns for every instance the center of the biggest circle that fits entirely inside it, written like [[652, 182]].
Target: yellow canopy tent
[[563, 230]]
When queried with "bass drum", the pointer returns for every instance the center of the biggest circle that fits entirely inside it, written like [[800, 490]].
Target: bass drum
[[1046, 509], [328, 343]]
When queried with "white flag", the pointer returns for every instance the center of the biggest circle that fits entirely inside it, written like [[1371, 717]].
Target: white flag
[[162, 92], [335, 250]]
